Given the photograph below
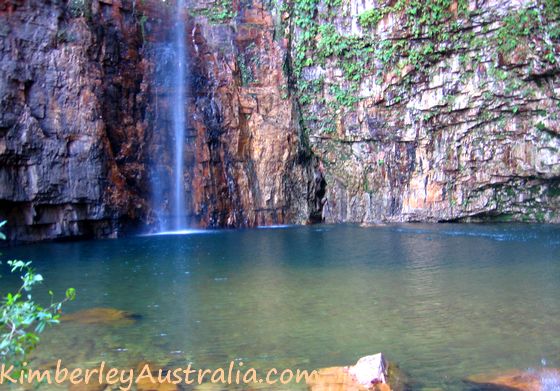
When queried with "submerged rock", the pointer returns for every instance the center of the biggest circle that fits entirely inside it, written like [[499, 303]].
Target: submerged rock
[[145, 384], [93, 385], [109, 316], [370, 373], [529, 380]]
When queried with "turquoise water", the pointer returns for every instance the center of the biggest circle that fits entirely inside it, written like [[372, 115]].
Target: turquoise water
[[443, 301]]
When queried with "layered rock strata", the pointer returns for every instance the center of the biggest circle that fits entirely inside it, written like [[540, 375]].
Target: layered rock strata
[[72, 132]]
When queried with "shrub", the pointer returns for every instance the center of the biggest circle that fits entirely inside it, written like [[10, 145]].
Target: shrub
[[21, 319]]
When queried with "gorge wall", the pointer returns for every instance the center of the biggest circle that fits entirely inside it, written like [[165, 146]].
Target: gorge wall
[[245, 164], [72, 124], [307, 110], [432, 111]]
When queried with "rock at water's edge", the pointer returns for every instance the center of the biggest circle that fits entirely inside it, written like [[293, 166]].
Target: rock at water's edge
[[370, 373], [370, 370], [517, 380]]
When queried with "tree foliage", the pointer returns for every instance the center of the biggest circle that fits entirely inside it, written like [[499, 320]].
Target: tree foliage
[[21, 318]]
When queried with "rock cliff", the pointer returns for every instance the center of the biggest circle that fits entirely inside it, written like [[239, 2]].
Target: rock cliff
[[71, 119], [432, 111], [245, 163], [301, 110]]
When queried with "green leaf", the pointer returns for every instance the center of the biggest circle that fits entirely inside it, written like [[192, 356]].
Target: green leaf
[[19, 314], [71, 294]]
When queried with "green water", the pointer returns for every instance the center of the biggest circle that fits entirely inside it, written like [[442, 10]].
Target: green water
[[444, 301]]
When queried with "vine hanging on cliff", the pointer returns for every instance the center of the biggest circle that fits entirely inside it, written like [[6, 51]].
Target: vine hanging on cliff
[[430, 30]]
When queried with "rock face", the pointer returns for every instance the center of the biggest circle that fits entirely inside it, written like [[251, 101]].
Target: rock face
[[245, 162], [298, 111], [71, 127], [83, 120], [419, 120]]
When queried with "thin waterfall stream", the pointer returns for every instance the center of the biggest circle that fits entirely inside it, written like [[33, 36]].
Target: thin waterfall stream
[[167, 168], [179, 120]]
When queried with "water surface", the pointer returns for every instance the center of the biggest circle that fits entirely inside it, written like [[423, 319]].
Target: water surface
[[444, 301]]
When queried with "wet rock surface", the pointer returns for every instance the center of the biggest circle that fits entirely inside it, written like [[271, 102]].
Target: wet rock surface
[[245, 164]]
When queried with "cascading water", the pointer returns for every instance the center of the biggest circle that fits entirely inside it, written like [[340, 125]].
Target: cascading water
[[179, 118], [167, 168]]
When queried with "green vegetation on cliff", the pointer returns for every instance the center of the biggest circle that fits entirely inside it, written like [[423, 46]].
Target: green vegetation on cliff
[[405, 82], [221, 11], [427, 31]]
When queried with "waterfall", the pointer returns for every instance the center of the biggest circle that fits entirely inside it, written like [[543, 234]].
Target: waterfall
[[167, 167], [178, 211]]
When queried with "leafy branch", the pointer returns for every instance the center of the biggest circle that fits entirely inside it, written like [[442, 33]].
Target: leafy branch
[[21, 319]]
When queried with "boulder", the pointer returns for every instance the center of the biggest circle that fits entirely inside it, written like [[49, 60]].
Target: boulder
[[339, 379], [518, 380], [371, 373], [370, 370], [104, 316]]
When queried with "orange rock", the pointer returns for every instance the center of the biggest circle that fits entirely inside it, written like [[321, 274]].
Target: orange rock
[[101, 316], [339, 379], [145, 383], [518, 380], [333, 379], [257, 17]]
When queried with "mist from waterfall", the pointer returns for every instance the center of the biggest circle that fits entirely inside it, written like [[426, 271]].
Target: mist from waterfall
[[179, 119]]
